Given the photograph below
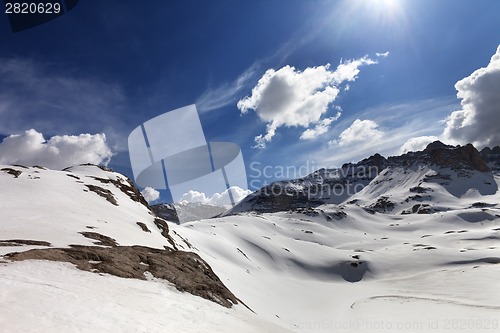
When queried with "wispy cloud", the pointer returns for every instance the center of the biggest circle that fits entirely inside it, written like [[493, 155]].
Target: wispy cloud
[[228, 93], [383, 55]]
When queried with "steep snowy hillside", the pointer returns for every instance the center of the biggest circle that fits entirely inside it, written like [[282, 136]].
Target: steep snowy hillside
[[59, 228]]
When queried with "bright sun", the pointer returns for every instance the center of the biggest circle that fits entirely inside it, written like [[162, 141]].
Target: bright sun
[[385, 9], [385, 4]]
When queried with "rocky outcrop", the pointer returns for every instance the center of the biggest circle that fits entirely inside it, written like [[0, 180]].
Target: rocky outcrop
[[492, 157], [166, 211], [186, 270], [456, 157]]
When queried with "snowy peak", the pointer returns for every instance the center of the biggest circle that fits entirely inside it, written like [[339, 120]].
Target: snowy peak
[[457, 168]]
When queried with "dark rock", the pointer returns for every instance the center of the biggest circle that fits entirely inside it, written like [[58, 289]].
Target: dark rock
[[382, 205], [186, 270], [10, 171], [421, 209], [103, 192], [419, 189], [101, 239], [143, 226], [166, 211], [456, 157], [20, 242], [163, 227], [128, 187]]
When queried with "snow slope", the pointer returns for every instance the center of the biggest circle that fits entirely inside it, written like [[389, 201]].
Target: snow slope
[[371, 264], [87, 207], [40, 296], [55, 206]]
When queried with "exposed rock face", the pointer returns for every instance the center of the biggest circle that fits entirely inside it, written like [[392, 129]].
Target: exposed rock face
[[166, 211], [376, 161], [456, 157], [321, 186], [382, 205], [492, 157], [186, 270], [271, 199]]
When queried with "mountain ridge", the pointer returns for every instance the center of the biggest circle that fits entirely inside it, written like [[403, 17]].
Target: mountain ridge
[[338, 185]]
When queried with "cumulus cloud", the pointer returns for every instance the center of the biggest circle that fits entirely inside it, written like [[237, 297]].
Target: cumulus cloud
[[477, 121], [292, 98], [359, 131], [218, 199], [417, 144], [30, 148], [150, 194]]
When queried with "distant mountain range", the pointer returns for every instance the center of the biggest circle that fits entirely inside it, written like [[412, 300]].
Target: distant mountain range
[[335, 186]]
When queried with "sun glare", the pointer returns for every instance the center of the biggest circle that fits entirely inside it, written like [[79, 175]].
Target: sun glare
[[384, 5], [385, 10]]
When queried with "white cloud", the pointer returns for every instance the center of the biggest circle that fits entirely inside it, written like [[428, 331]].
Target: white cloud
[[417, 143], [150, 194], [477, 121], [293, 98], [321, 128], [359, 131], [384, 54], [218, 199], [30, 148]]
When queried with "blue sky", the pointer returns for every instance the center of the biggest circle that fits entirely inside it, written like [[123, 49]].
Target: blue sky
[[108, 66]]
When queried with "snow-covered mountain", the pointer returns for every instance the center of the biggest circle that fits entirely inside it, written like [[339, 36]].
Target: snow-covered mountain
[[458, 169], [407, 243], [82, 252]]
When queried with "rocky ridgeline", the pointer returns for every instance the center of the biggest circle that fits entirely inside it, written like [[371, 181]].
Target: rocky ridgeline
[[166, 211], [492, 157], [337, 185]]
